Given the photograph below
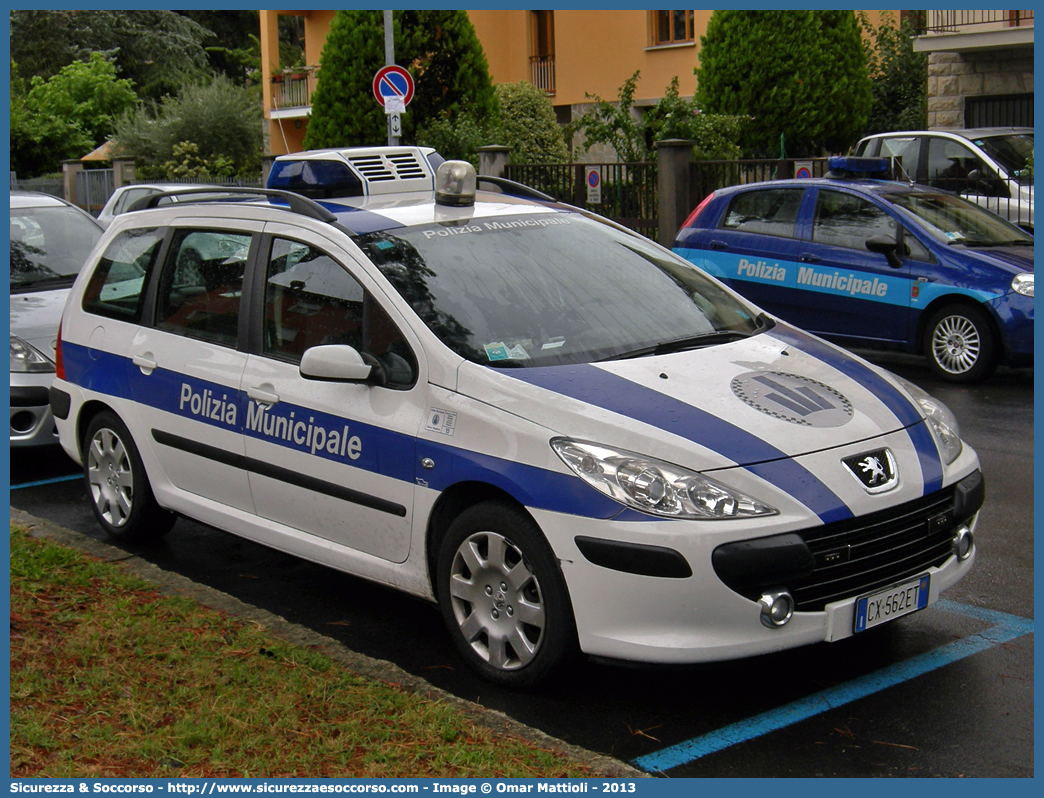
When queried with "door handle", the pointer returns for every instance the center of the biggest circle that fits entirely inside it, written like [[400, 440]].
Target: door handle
[[718, 244], [263, 397], [145, 363], [806, 258]]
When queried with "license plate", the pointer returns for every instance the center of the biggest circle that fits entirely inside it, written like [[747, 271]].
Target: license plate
[[891, 603]]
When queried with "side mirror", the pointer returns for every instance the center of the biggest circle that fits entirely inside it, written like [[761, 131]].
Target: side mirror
[[886, 246], [335, 363]]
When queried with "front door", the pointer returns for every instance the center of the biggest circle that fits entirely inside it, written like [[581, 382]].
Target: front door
[[334, 459]]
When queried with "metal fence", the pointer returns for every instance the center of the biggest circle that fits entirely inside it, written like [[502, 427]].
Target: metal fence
[[45, 185], [628, 190], [93, 189], [708, 176]]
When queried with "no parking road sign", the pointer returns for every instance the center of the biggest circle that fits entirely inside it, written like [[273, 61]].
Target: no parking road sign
[[393, 88]]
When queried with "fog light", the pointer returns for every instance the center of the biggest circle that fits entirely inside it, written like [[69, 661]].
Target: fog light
[[963, 543], [777, 607]]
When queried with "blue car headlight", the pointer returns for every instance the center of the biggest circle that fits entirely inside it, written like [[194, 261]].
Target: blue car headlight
[[1023, 284]]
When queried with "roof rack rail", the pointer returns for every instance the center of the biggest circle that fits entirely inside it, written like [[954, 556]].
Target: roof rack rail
[[298, 204], [519, 189]]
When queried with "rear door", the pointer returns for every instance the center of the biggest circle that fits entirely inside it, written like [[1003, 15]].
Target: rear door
[[756, 245], [187, 365]]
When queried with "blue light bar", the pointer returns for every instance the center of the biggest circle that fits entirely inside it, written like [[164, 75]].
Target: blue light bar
[[850, 163]]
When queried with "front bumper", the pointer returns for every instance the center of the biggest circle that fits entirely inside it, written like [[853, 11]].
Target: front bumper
[[673, 618], [31, 421], [1014, 314]]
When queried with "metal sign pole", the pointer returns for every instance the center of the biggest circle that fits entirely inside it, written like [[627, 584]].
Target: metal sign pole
[[394, 123]]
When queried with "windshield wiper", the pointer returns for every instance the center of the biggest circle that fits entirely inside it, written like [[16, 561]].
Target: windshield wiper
[[56, 282], [694, 341]]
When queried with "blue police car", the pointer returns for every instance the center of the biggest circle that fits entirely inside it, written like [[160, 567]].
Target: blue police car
[[875, 264]]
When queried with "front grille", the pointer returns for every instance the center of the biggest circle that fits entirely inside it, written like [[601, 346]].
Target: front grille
[[373, 168], [407, 166], [850, 558], [397, 166], [862, 554]]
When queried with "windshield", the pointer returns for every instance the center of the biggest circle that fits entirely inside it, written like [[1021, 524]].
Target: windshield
[[953, 220], [49, 244], [1014, 152], [546, 289]]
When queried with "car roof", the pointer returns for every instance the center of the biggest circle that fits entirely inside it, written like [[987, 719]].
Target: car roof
[[368, 214], [36, 199], [858, 184], [966, 133]]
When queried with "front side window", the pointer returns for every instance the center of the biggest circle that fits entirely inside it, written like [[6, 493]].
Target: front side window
[[201, 286], [846, 220], [311, 300], [955, 167], [117, 286], [673, 27], [548, 289], [771, 212]]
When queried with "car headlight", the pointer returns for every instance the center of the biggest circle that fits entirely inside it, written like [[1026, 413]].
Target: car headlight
[[1023, 284], [654, 486], [27, 358], [941, 421]]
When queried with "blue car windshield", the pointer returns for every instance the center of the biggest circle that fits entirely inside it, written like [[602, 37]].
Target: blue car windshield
[[953, 220], [547, 289]]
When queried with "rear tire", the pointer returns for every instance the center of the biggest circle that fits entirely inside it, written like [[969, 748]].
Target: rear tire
[[960, 344], [117, 484], [503, 597]]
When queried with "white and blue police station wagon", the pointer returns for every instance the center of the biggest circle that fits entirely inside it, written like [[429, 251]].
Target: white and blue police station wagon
[[570, 438]]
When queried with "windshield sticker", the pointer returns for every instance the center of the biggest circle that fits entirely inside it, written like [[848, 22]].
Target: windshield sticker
[[496, 351]]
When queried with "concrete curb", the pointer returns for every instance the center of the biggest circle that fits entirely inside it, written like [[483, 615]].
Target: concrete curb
[[175, 584]]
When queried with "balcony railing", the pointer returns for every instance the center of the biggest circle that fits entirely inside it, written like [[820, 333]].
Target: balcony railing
[[542, 72], [293, 88], [967, 21]]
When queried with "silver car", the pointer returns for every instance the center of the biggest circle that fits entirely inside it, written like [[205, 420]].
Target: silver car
[[50, 240], [992, 167], [125, 196]]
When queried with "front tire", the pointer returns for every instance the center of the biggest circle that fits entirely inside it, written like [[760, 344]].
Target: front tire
[[117, 484], [960, 344], [503, 597]]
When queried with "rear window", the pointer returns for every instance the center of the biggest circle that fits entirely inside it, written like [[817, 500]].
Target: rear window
[[315, 179], [771, 212]]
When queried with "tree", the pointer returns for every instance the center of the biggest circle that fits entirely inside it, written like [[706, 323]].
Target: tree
[[898, 76], [66, 116], [632, 137], [158, 50], [439, 48], [801, 75], [232, 46], [528, 125], [614, 124], [209, 128]]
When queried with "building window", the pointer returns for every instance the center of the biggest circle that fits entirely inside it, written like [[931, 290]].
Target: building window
[[542, 53], [673, 27]]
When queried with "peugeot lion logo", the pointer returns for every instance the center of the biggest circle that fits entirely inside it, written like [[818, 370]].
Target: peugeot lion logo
[[876, 471]]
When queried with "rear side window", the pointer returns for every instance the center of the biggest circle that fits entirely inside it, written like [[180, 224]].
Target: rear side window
[[201, 286], [117, 286], [906, 151], [771, 212]]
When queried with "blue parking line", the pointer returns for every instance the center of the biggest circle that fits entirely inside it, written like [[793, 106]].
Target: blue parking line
[[68, 478], [1004, 628]]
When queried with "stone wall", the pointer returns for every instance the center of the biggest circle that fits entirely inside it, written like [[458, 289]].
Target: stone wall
[[953, 77]]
